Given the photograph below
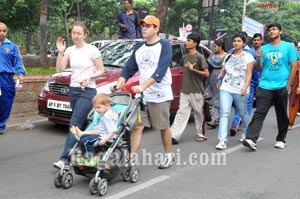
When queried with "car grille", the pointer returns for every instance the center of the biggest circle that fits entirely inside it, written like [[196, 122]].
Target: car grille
[[55, 113], [60, 89]]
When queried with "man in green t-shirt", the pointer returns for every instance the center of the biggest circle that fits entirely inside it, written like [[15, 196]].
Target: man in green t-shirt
[[191, 95]]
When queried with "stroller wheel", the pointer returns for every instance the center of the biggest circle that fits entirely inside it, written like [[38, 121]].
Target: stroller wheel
[[126, 175], [102, 187], [134, 175], [93, 186], [57, 179], [67, 180]]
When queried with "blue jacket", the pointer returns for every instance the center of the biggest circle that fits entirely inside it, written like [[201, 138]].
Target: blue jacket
[[10, 59], [133, 30]]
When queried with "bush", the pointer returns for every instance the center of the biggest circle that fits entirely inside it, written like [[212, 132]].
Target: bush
[[40, 71]]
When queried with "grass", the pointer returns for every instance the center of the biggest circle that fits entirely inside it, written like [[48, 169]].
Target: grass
[[40, 71]]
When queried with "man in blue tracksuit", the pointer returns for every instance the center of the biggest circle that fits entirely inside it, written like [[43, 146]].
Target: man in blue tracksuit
[[10, 63]]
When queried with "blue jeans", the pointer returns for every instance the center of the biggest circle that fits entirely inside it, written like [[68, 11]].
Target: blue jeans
[[86, 144], [240, 102], [237, 118], [81, 103]]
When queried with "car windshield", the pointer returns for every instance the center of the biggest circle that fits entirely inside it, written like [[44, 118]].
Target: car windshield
[[117, 53]]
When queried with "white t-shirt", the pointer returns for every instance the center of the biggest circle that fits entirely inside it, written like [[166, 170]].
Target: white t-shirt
[[148, 58], [82, 63], [236, 72], [108, 123]]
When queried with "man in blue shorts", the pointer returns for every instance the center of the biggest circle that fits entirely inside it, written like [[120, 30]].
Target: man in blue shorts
[[276, 62]]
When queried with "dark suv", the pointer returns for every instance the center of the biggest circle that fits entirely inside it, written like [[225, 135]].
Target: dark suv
[[53, 100]]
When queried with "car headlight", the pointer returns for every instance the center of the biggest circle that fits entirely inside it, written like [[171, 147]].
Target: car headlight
[[46, 86], [106, 87]]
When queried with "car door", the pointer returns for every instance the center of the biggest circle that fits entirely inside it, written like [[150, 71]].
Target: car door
[[177, 74]]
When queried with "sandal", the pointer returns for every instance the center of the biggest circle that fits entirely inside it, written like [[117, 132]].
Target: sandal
[[213, 124], [200, 138]]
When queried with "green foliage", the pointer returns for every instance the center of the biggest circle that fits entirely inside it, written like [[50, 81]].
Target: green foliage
[[229, 15], [151, 5], [182, 12], [20, 14], [40, 71], [22, 18], [288, 18]]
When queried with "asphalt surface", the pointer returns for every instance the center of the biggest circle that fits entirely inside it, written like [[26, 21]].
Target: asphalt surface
[[200, 171]]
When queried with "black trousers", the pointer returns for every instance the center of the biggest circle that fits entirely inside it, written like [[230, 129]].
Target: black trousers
[[264, 101]]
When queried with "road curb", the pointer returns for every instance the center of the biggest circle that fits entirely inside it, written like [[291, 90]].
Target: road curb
[[19, 123]]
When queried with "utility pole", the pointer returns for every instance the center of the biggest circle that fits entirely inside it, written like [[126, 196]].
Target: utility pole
[[244, 10], [199, 10], [211, 21], [78, 11]]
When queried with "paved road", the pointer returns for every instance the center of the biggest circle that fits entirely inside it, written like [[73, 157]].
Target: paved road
[[26, 167]]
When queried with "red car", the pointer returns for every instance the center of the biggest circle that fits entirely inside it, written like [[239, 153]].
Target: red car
[[53, 100]]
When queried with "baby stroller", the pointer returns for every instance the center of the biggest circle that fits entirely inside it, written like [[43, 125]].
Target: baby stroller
[[114, 155]]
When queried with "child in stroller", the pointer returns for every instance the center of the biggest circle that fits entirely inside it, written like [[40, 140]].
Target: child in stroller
[[103, 132], [112, 156]]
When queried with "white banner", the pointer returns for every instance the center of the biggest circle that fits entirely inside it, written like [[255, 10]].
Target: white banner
[[251, 27]]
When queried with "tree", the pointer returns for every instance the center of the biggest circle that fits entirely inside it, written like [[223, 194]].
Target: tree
[[21, 19], [288, 17], [43, 33], [162, 10]]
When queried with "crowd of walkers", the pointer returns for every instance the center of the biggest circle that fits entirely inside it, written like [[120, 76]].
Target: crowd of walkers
[[225, 79], [269, 73]]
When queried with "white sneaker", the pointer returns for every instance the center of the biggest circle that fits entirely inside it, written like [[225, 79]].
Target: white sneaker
[[221, 145], [250, 144], [243, 137], [280, 145], [59, 164], [167, 162]]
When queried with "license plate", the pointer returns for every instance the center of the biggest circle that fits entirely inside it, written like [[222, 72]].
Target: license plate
[[59, 105]]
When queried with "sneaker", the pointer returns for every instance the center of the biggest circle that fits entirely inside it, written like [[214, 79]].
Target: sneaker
[[60, 164], [221, 145], [174, 141], [2, 131], [290, 127], [243, 136], [250, 144], [167, 162], [298, 113], [280, 145], [233, 131]]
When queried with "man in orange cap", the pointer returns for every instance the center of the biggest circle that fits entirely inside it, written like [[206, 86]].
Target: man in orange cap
[[152, 59]]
